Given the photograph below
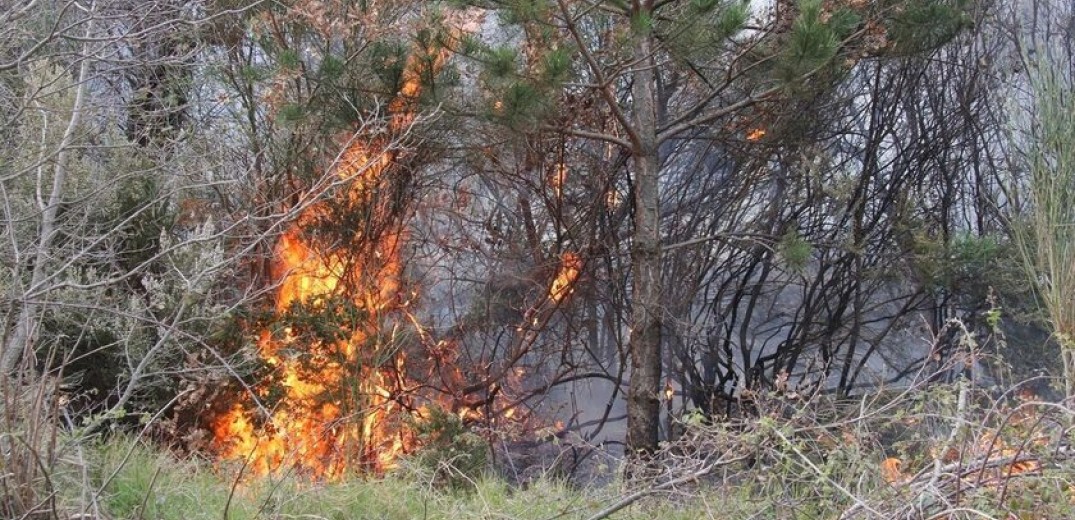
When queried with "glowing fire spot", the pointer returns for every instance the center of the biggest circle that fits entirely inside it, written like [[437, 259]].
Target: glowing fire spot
[[892, 470], [755, 134], [612, 199], [557, 179], [564, 283]]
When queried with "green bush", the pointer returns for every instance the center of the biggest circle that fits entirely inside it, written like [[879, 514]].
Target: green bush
[[450, 455]]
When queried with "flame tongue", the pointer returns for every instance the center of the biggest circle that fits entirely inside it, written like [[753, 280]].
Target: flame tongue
[[334, 394]]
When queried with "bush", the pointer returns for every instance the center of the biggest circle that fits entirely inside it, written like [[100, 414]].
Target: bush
[[450, 455]]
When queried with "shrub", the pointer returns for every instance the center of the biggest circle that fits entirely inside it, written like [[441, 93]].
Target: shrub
[[451, 455]]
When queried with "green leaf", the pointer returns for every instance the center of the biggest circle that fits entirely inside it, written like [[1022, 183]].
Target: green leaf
[[926, 24], [814, 41], [291, 113], [795, 250], [556, 66], [523, 11], [254, 73], [733, 18], [470, 45], [843, 22], [992, 318], [642, 23], [521, 104], [501, 62], [388, 60], [704, 6], [288, 59], [331, 69]]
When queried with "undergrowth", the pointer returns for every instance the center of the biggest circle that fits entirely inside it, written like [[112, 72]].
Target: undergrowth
[[153, 485], [947, 451], [945, 447]]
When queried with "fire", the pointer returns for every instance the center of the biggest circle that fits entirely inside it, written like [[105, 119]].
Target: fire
[[557, 179], [755, 134], [340, 396], [564, 283], [892, 470]]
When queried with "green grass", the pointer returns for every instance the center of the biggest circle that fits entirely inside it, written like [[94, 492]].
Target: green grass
[[154, 485]]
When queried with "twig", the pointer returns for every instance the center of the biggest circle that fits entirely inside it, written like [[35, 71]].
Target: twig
[[634, 497], [859, 503], [958, 427], [235, 483], [149, 491]]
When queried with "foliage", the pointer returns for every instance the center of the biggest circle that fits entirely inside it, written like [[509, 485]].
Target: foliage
[[924, 25], [816, 37], [968, 265], [452, 455], [1044, 233], [795, 250]]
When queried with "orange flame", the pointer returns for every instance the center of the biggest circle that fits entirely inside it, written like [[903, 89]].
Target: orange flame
[[564, 283], [557, 179], [756, 134], [339, 397], [892, 470]]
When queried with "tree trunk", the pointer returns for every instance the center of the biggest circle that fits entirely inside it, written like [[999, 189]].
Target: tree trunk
[[643, 401]]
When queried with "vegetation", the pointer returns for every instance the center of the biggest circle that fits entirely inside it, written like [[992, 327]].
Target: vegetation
[[946, 452], [536, 259], [1045, 234]]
